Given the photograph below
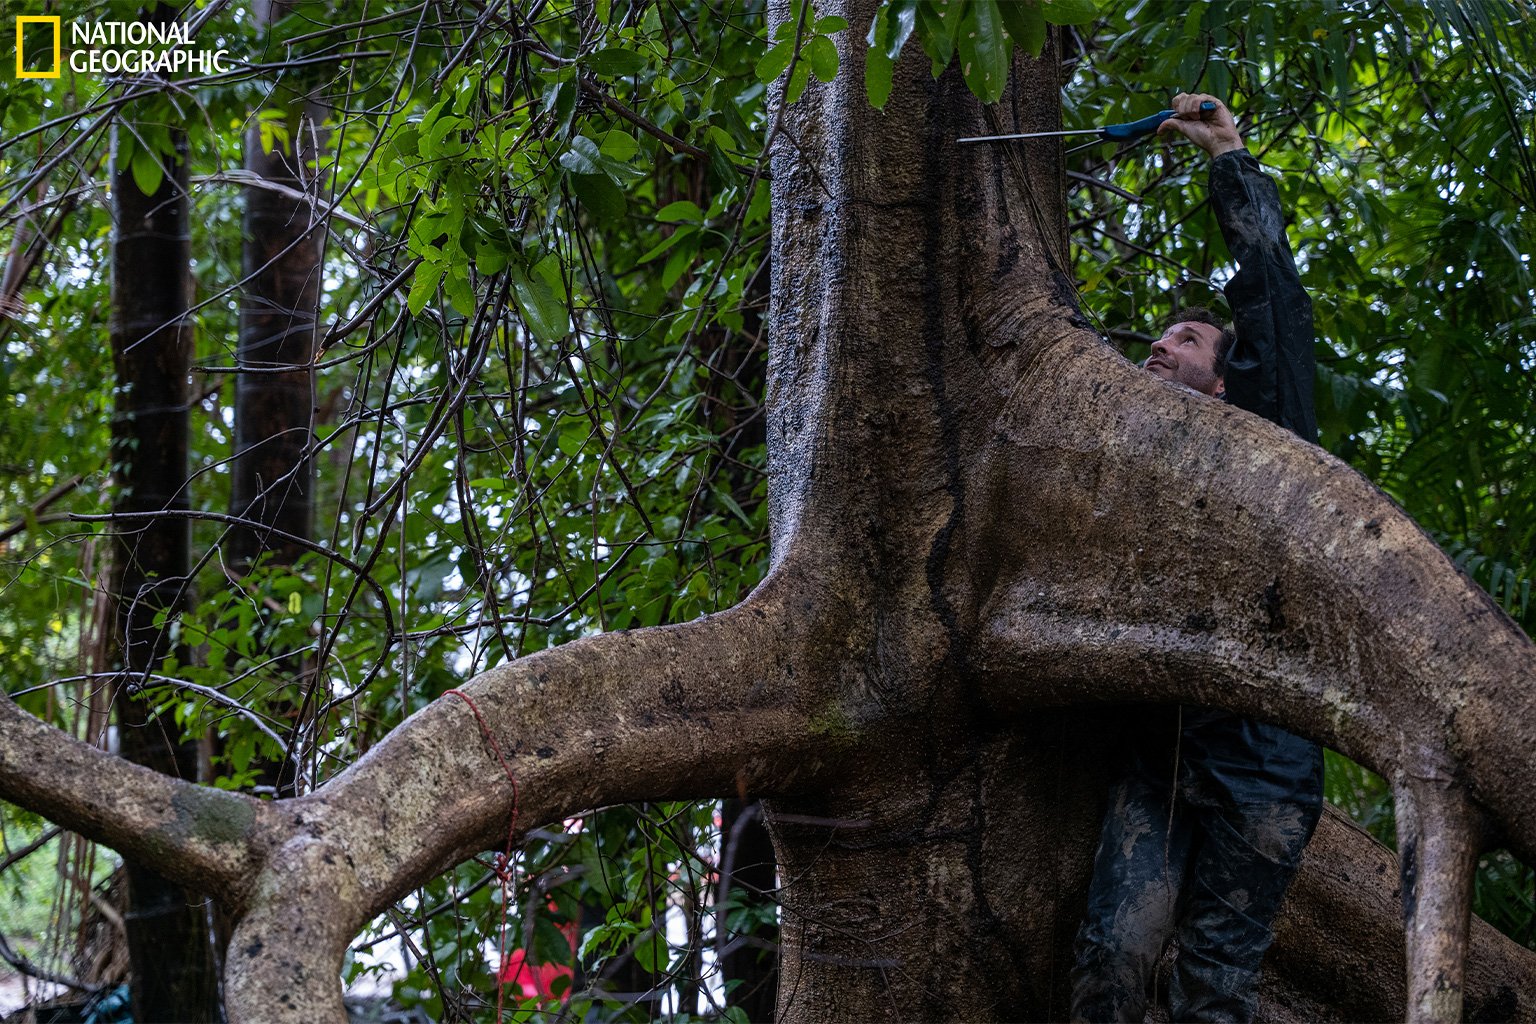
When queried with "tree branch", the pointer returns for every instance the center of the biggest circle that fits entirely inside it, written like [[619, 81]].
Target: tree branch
[[1438, 835], [203, 838], [1338, 951], [723, 704], [1168, 547], [1181, 549]]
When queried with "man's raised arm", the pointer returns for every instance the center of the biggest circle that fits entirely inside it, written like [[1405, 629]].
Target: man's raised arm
[[1272, 365]]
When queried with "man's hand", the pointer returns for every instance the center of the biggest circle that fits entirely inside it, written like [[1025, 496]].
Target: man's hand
[[1213, 130]]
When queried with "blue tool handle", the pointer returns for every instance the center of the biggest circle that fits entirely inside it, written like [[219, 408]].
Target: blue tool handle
[[1146, 126]]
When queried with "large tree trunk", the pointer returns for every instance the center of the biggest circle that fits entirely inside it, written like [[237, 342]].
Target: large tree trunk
[[957, 860], [173, 972], [983, 521], [988, 485]]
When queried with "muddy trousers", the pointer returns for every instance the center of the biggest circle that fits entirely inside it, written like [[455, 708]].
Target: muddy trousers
[[1209, 876]]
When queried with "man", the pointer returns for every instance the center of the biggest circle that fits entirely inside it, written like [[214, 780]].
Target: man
[[1205, 829]]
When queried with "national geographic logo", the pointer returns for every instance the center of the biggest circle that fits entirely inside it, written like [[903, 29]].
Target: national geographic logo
[[110, 48], [37, 23]]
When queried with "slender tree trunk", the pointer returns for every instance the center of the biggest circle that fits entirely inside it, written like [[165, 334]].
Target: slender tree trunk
[[273, 475], [748, 873], [173, 971]]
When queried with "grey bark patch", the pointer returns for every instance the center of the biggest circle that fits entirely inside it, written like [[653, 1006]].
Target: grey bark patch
[[211, 815]]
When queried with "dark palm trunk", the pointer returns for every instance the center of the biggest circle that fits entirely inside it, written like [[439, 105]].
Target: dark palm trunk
[[174, 976], [274, 401], [749, 956]]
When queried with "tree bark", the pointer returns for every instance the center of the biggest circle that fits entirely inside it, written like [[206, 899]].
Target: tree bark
[[1338, 950], [1027, 518]]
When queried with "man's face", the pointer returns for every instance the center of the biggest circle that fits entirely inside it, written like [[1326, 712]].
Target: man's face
[[1186, 353]]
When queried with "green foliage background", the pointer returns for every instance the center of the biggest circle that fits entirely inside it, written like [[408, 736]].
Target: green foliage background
[[542, 378]]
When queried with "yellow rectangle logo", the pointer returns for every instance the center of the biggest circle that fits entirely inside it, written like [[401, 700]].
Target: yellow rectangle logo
[[37, 19]]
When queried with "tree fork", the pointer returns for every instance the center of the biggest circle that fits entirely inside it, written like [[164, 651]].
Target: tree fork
[[674, 712]]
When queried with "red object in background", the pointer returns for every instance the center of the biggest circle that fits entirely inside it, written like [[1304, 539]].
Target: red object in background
[[536, 981], [533, 981]]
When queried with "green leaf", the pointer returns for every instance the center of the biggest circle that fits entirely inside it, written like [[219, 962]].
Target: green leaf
[[272, 126], [490, 259], [619, 145], [666, 243], [823, 57], [1026, 25], [677, 264], [430, 117], [573, 437], [651, 953], [1069, 12], [423, 286], [146, 170], [550, 269], [683, 209], [878, 66], [123, 147], [902, 18], [984, 50], [456, 284], [562, 102], [723, 139], [952, 13], [600, 195], [603, 9], [773, 63], [797, 81], [616, 62], [543, 311], [583, 157], [937, 40], [877, 77], [830, 24], [731, 503]]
